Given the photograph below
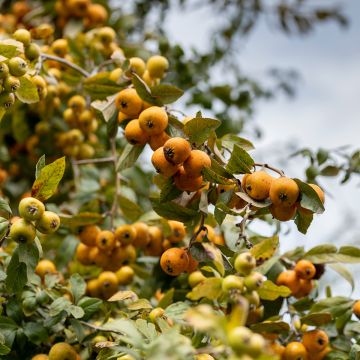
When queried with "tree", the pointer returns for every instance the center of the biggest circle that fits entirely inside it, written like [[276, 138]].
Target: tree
[[101, 258]]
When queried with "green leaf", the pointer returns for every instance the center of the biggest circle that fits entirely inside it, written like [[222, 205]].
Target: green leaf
[[309, 198], [172, 211], [270, 291], [216, 257], [130, 209], [199, 129], [105, 109], [345, 273], [48, 180], [272, 327], [129, 156], [77, 287], [329, 254], [4, 350], [36, 332], [82, 219], [127, 327], [336, 305], [210, 175], [240, 161], [209, 288], [266, 248], [169, 191], [177, 310], [230, 140], [39, 166], [16, 274], [90, 306], [330, 171], [112, 126], [59, 305], [4, 206], [10, 48], [76, 311], [144, 91], [99, 86], [316, 319], [27, 92], [303, 221], [29, 255], [166, 93], [354, 352]]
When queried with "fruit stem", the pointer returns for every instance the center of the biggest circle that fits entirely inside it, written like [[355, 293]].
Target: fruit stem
[[267, 166], [77, 68]]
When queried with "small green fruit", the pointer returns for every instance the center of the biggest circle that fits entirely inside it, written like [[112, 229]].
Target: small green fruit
[[22, 231], [42, 298], [11, 84], [7, 100], [245, 263], [31, 209], [254, 281], [29, 304], [32, 52], [232, 282], [23, 36], [17, 66], [48, 223], [239, 339], [4, 70]]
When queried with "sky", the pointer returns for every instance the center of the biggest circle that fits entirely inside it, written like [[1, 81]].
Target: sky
[[324, 113]]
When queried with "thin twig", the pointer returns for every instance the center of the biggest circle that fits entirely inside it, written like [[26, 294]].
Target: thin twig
[[242, 225], [114, 207], [99, 328], [280, 172], [94, 161], [199, 230], [65, 62], [76, 172]]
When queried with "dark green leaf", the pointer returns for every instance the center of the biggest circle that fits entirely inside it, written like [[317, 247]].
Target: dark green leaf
[[144, 91], [240, 161], [166, 93], [169, 191], [112, 126], [16, 274], [129, 156], [130, 209], [90, 305], [309, 198], [303, 220], [199, 129], [4, 206], [36, 332], [316, 319], [99, 86], [212, 176], [77, 287]]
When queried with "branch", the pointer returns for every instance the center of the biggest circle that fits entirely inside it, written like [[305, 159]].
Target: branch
[[199, 230], [280, 172], [117, 182], [77, 68], [95, 161], [242, 225], [99, 328]]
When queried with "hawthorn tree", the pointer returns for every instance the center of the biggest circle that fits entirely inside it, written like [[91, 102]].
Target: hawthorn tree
[[125, 222]]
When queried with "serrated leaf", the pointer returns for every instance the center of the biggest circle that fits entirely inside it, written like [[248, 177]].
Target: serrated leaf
[[130, 209], [48, 180], [39, 166], [169, 191], [309, 198], [105, 109], [270, 291], [144, 91], [316, 319], [82, 219], [166, 93], [27, 91], [240, 161], [59, 305], [129, 156], [210, 289], [29, 255], [266, 248], [16, 274], [90, 306], [199, 129]]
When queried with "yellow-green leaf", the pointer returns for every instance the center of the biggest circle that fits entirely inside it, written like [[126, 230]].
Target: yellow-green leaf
[[209, 288], [270, 291]]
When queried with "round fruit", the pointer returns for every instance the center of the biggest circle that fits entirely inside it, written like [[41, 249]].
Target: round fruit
[[305, 269], [17, 66], [288, 278], [41, 86], [157, 141], [156, 66], [62, 351], [153, 120], [283, 213], [315, 341], [31, 209], [196, 278], [48, 223], [83, 254], [4, 70], [93, 288], [178, 231], [105, 240], [7, 100], [161, 165], [108, 283], [174, 261], [11, 83], [142, 238], [156, 313], [204, 357], [254, 281], [295, 351], [177, 150], [284, 192], [40, 357], [106, 35], [45, 267], [125, 234], [32, 52], [23, 36], [258, 185], [239, 338], [244, 263], [154, 247], [185, 182], [232, 282], [77, 103], [88, 235], [196, 162], [134, 134], [356, 309], [129, 102], [256, 345], [125, 275], [96, 14], [137, 65], [22, 232], [305, 288]]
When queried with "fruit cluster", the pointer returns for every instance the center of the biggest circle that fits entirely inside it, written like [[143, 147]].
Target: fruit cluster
[[300, 279], [33, 216]]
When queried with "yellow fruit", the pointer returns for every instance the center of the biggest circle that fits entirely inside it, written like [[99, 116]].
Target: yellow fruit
[[315, 341], [93, 288], [283, 213], [105, 240], [137, 65], [177, 150], [62, 351], [295, 351], [108, 283], [125, 234], [45, 267], [142, 238], [305, 269], [288, 278], [196, 162], [156, 66], [356, 309], [157, 141], [83, 254], [129, 102], [185, 182], [284, 191], [40, 357], [134, 134], [258, 185], [88, 235], [153, 120], [178, 231], [125, 275], [161, 165]]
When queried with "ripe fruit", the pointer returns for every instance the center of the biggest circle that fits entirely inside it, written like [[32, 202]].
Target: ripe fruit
[[96, 14], [258, 185], [31, 209], [106, 35], [40, 84], [92, 288], [142, 235], [207, 231], [305, 269], [125, 234], [11, 83], [288, 278], [315, 341], [195, 278], [244, 263], [158, 140], [295, 351], [125, 275], [108, 283], [48, 223], [105, 240], [319, 192], [23, 36], [254, 281], [22, 231], [17, 66], [305, 288], [161, 165], [88, 235], [177, 150], [40, 357], [134, 134], [45, 267], [195, 163], [156, 66], [77, 103], [178, 231], [356, 309], [284, 191], [174, 261], [232, 282], [283, 213], [185, 182], [204, 357], [129, 102], [153, 120], [62, 351], [137, 65], [154, 247], [83, 254], [256, 345]]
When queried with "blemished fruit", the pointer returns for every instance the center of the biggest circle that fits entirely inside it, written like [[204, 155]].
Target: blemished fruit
[[62, 351], [178, 231], [129, 102], [7, 100], [105, 240], [45, 267], [315, 341], [244, 263], [153, 120], [284, 191], [161, 165], [258, 185], [48, 223], [174, 261], [22, 232], [156, 66], [125, 275], [295, 351], [31, 209], [288, 278], [305, 269], [196, 162], [185, 182], [232, 282], [177, 150], [134, 134], [17, 66], [125, 234]]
